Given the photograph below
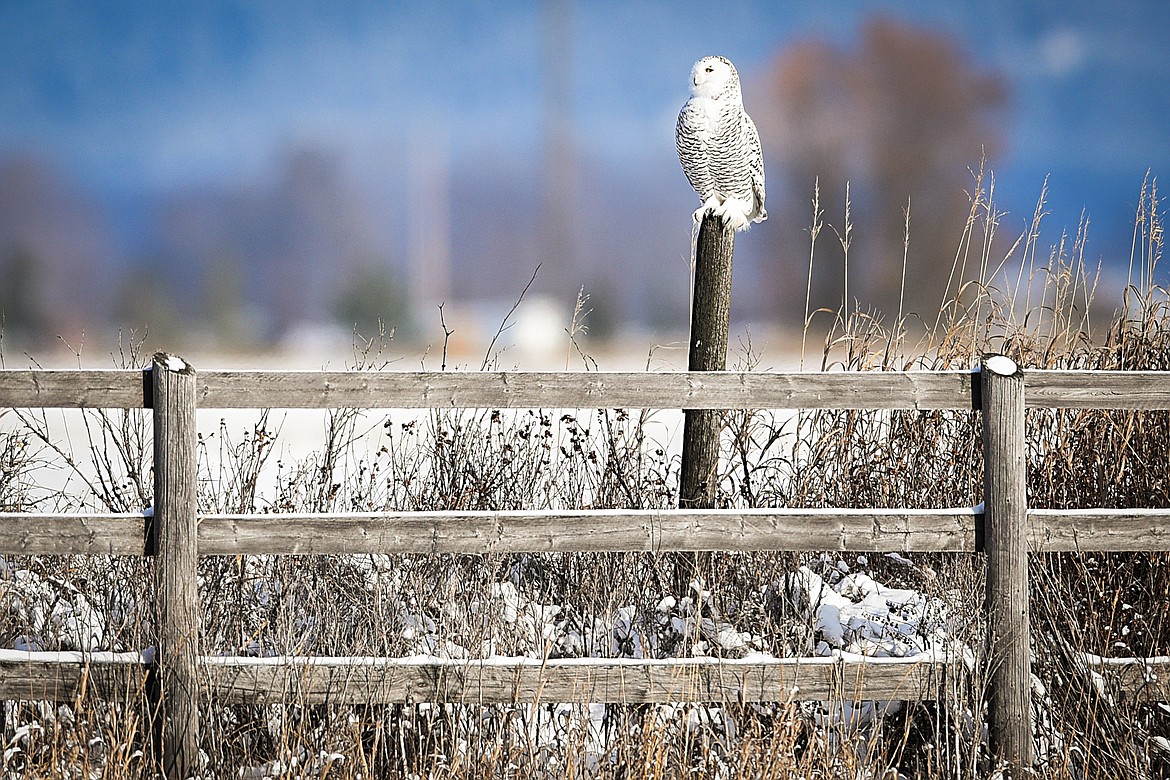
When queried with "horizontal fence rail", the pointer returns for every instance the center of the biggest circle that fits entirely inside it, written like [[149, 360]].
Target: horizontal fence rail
[[924, 390], [648, 531], [610, 530], [512, 390], [71, 676], [1145, 390], [108, 676], [36, 533], [533, 680], [77, 389], [499, 680], [187, 678]]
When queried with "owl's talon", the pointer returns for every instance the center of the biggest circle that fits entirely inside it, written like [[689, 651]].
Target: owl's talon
[[734, 213], [710, 206]]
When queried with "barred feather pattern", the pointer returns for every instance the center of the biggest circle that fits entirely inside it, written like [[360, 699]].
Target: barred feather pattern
[[719, 147]]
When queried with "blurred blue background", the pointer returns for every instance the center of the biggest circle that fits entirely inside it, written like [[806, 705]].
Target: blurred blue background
[[240, 175]]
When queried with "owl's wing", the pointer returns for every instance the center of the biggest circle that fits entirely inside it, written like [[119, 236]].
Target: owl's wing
[[692, 151]]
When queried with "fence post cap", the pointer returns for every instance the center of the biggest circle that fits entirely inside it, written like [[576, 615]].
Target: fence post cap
[[172, 362], [1001, 364]]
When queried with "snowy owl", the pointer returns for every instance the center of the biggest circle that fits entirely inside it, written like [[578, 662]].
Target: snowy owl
[[719, 147]]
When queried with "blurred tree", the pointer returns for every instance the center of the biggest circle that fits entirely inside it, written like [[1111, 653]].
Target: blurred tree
[[21, 309], [63, 233], [144, 304], [273, 255], [371, 296], [224, 295], [905, 115]]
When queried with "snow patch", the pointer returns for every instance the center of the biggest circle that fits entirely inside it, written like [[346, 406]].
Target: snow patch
[[1002, 365], [74, 657]]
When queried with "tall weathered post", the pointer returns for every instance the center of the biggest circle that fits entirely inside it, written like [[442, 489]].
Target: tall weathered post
[[710, 322], [1005, 502], [176, 554]]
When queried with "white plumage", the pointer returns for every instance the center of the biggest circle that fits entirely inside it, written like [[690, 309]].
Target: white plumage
[[719, 147]]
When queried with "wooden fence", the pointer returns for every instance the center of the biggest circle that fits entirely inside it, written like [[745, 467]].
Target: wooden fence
[[175, 534]]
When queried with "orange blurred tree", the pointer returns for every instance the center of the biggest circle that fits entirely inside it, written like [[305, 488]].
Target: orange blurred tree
[[903, 115]]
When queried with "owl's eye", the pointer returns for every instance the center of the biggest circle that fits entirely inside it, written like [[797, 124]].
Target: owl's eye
[[710, 69]]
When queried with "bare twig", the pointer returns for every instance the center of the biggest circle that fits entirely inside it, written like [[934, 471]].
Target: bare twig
[[447, 333], [506, 322]]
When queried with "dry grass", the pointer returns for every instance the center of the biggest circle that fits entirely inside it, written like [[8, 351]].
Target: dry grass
[[1006, 297]]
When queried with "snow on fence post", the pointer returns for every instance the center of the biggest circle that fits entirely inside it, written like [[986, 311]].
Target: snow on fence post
[[710, 321], [175, 549], [1005, 500]]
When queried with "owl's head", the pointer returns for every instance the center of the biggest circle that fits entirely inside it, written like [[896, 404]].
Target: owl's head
[[714, 77]]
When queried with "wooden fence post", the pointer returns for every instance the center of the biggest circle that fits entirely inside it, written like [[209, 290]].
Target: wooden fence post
[[175, 549], [1005, 503], [710, 322]]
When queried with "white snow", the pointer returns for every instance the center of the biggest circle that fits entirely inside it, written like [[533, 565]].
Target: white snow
[[857, 620], [754, 658], [33, 517], [74, 657], [1116, 661], [1002, 365], [860, 616]]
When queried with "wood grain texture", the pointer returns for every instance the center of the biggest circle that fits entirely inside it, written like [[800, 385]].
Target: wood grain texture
[[49, 677], [73, 389], [1009, 708], [1098, 389], [928, 530], [589, 531], [176, 551], [1099, 530], [127, 389], [383, 681], [67, 677], [593, 390], [711, 301], [37, 533], [710, 325]]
